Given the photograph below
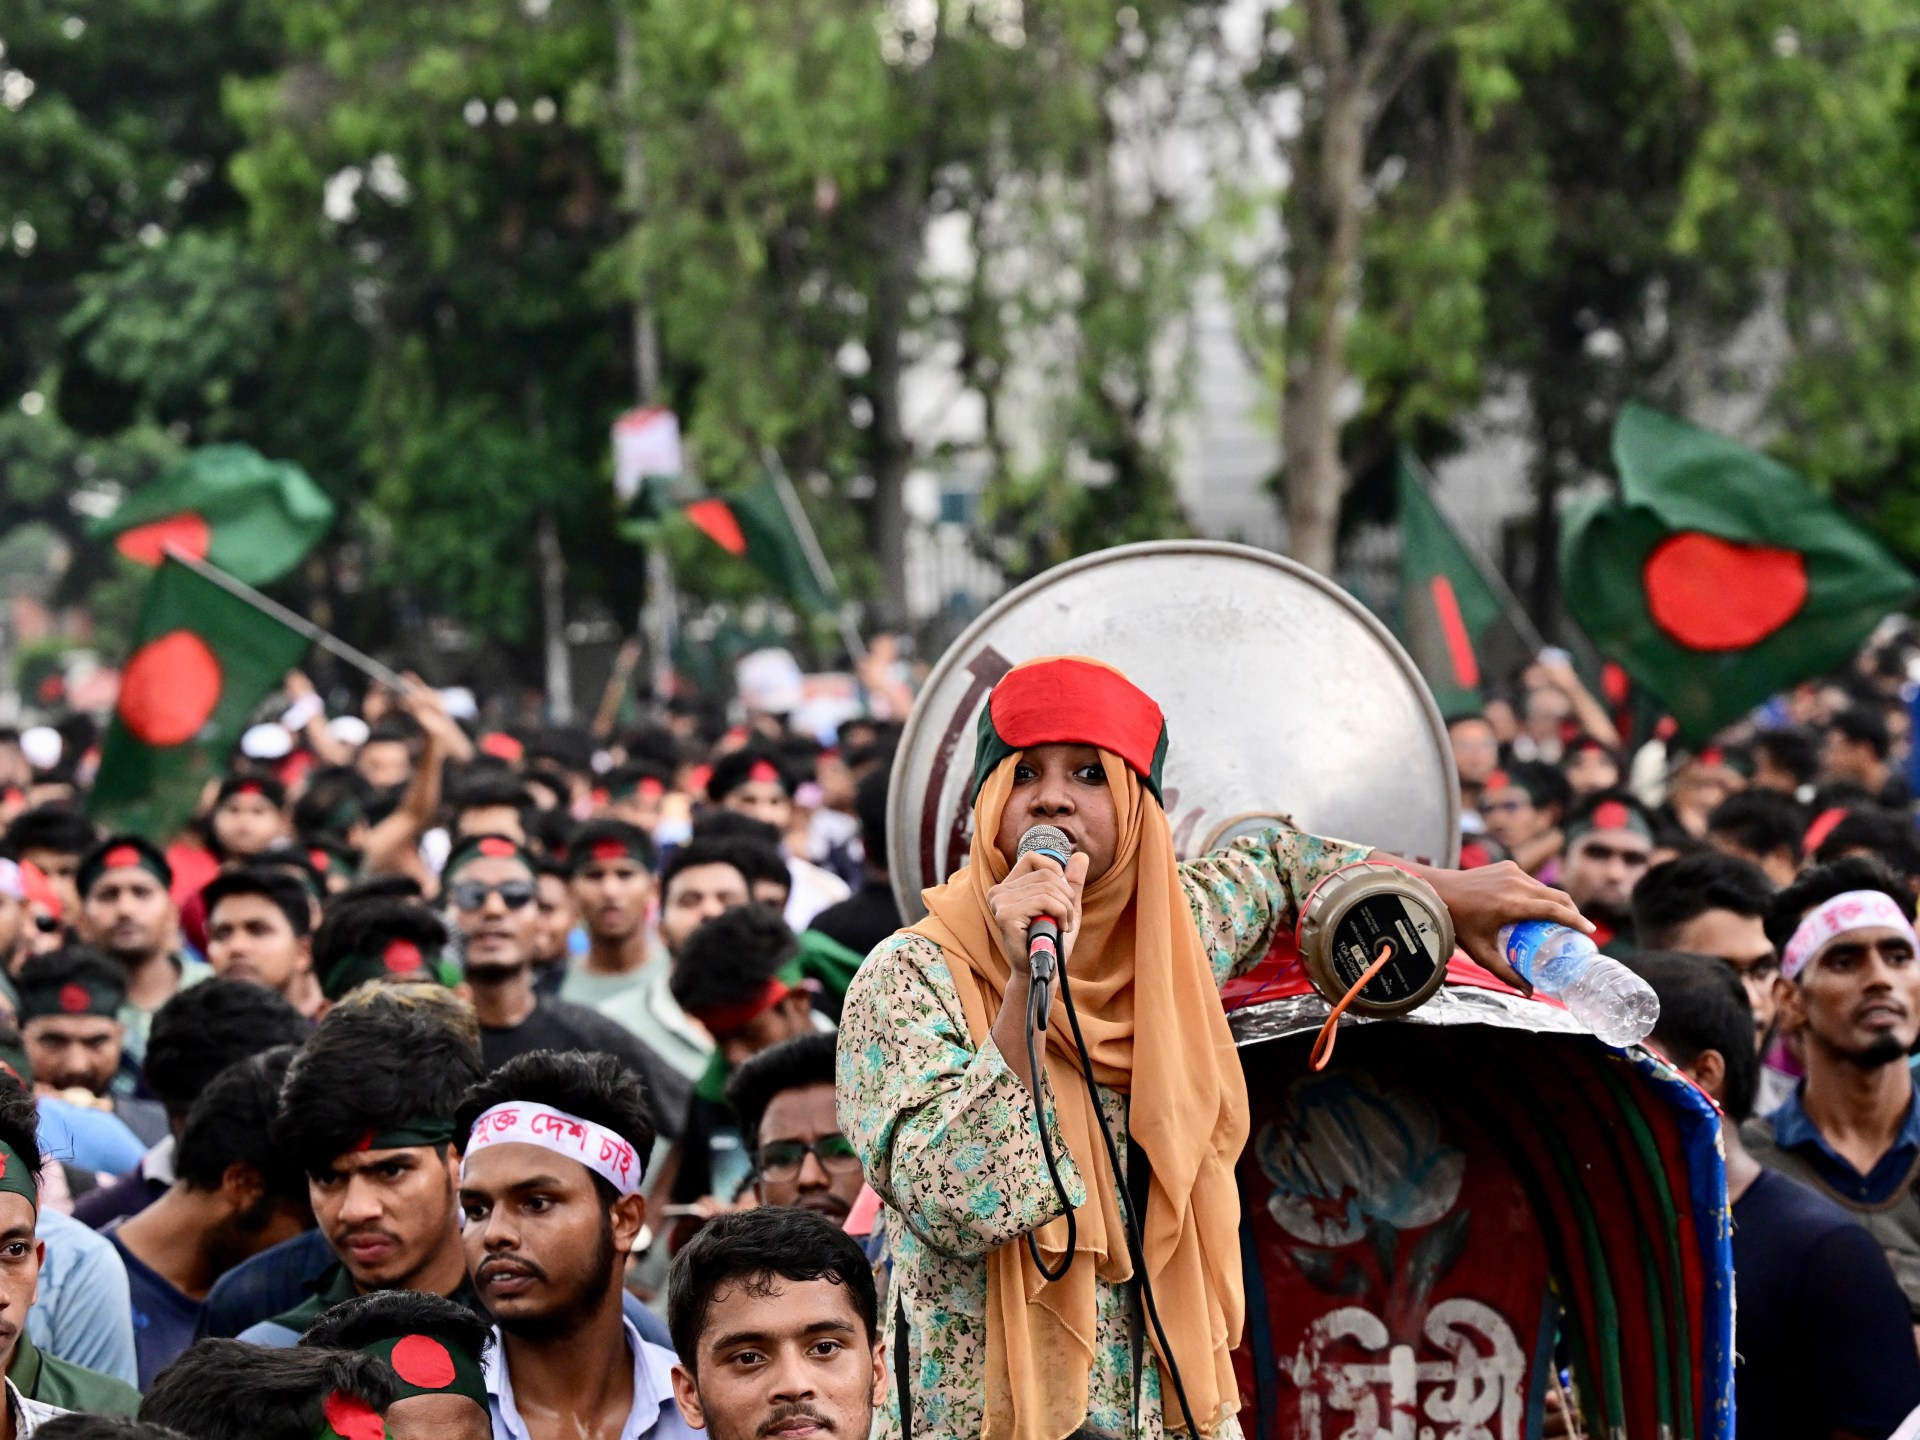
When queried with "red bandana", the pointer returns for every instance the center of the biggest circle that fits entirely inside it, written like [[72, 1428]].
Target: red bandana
[[610, 850], [1066, 700], [725, 1019], [121, 856]]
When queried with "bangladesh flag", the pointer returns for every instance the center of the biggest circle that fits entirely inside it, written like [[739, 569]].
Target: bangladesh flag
[[1457, 622], [202, 660], [1720, 577], [753, 524], [229, 505]]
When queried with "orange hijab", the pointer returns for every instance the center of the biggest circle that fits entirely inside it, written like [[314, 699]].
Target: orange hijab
[[1137, 953]]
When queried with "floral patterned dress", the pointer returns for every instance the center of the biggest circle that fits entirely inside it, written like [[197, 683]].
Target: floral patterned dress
[[946, 1133]]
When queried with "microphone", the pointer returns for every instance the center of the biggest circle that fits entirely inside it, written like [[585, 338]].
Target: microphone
[[1043, 935]]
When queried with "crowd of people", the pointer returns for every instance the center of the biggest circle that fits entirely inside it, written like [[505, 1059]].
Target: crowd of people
[[1764, 884], [438, 1080]]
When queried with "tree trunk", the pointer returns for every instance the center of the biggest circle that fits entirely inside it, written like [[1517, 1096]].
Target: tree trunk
[[897, 235], [1323, 255], [553, 609]]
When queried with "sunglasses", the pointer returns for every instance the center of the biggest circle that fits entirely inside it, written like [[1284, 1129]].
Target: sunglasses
[[514, 894], [782, 1159]]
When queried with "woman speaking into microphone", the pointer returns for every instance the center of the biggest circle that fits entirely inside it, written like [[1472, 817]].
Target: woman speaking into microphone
[[936, 1090]]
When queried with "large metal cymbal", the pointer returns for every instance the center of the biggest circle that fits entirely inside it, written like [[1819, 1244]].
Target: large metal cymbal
[[1284, 698]]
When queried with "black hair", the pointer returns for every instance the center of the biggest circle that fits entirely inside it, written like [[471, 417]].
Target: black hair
[[20, 1122], [229, 1390], [549, 778], [73, 1425], [1704, 1006], [72, 964], [372, 1067], [1544, 783], [1792, 749], [630, 837], [48, 827], [1856, 872], [730, 957], [360, 924], [486, 788], [1761, 822], [870, 804], [754, 845], [1887, 833], [404, 887], [732, 825], [381, 1315], [232, 1123], [790, 1065], [1466, 717], [1863, 725], [1676, 891], [732, 770], [654, 745], [201, 1031], [271, 882], [334, 801], [394, 726], [758, 1247], [697, 852], [587, 1085]]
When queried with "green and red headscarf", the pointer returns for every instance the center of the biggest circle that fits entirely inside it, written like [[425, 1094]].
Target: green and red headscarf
[[1069, 700]]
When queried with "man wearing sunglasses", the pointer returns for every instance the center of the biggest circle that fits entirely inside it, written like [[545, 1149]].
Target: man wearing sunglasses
[[490, 890], [783, 1098]]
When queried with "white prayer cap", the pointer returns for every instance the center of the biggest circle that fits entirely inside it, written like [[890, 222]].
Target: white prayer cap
[[42, 746], [769, 681], [266, 741], [348, 730], [460, 702]]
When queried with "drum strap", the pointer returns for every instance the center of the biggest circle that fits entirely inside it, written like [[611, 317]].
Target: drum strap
[[1139, 1182], [902, 1367]]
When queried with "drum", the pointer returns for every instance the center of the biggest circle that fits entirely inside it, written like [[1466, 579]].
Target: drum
[[1286, 701]]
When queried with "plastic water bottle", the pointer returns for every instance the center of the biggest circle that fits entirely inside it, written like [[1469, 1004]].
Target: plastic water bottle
[[1598, 991]]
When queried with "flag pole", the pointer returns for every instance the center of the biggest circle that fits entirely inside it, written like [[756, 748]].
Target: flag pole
[[810, 546], [326, 640]]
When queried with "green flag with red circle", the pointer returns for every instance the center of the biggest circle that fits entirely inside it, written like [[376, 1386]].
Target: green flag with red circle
[[229, 505], [1720, 577], [202, 660]]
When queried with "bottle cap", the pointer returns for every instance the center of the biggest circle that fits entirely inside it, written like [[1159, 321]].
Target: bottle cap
[[1351, 913]]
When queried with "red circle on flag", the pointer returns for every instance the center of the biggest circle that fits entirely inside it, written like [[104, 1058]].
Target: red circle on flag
[[170, 689], [120, 857], [1709, 594], [74, 999], [496, 848], [402, 957], [352, 1418], [421, 1360], [148, 544], [609, 850]]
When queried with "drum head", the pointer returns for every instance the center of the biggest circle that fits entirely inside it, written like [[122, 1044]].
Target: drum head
[[1285, 701]]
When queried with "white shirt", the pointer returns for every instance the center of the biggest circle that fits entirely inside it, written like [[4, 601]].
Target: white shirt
[[29, 1415], [654, 1415]]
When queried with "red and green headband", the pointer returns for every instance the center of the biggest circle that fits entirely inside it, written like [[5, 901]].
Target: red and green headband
[[17, 1177], [1610, 815], [429, 1365], [1065, 700], [122, 853], [84, 995], [398, 959], [486, 847]]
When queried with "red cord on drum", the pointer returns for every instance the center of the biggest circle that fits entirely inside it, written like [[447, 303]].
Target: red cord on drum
[[1323, 1046]]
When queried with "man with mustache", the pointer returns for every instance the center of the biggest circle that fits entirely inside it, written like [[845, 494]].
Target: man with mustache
[[783, 1099], [367, 1112], [1851, 1130], [127, 910], [774, 1314], [554, 1154]]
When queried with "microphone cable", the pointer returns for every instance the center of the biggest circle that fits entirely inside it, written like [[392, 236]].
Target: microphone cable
[[1136, 1242]]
